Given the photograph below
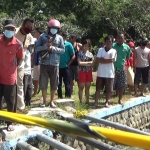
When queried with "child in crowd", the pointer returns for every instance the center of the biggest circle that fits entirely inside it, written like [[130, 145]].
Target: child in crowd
[[85, 62]]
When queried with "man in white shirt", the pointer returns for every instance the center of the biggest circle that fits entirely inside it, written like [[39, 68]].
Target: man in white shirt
[[105, 75], [141, 65]]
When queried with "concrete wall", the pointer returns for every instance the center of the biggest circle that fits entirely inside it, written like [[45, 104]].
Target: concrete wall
[[135, 113]]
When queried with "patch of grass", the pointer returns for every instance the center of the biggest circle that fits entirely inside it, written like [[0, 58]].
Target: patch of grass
[[82, 106]]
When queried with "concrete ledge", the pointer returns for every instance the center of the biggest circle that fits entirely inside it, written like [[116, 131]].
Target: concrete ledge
[[41, 111], [65, 102], [19, 131], [104, 112]]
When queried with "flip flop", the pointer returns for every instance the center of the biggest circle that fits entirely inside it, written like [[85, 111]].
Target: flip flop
[[107, 105], [121, 103], [143, 95], [10, 127], [52, 105]]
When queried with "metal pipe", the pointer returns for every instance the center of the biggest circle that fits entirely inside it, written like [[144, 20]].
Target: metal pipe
[[90, 141], [96, 143], [54, 143], [116, 125], [25, 146]]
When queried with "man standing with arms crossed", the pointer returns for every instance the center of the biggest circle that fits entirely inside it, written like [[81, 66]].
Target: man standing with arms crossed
[[23, 34]]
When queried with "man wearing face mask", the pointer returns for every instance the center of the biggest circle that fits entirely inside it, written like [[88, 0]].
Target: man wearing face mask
[[141, 65], [23, 34], [11, 54], [50, 63]]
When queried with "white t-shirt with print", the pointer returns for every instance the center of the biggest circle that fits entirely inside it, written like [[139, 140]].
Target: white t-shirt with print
[[106, 70]]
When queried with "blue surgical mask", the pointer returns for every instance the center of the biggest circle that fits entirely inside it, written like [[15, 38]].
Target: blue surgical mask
[[53, 31], [9, 34]]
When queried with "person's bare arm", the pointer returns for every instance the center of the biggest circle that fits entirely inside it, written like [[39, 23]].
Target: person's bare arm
[[149, 59], [134, 60], [88, 63], [72, 59], [105, 60]]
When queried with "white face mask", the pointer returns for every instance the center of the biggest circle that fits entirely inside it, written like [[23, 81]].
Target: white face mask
[[53, 31]]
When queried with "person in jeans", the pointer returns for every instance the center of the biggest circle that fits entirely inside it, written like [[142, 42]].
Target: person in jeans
[[11, 55], [49, 68], [105, 75], [141, 65], [123, 53], [64, 73], [85, 61]]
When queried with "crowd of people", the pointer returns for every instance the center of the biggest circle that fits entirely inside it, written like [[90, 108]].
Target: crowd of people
[[59, 59]]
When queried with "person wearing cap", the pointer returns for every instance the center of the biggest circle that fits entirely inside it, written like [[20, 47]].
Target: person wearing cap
[[129, 67], [49, 65], [64, 73], [23, 33], [11, 56], [141, 65], [123, 53]]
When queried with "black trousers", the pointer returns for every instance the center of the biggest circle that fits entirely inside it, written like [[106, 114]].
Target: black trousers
[[64, 75], [9, 93], [27, 82]]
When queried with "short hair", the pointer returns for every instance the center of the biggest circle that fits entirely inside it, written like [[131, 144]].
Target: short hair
[[28, 19], [73, 36], [64, 33], [87, 41], [109, 37], [119, 33], [39, 30]]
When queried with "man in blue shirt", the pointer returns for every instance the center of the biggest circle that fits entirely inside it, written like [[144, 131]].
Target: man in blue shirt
[[49, 65], [64, 73]]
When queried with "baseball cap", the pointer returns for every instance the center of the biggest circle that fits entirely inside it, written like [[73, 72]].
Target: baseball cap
[[9, 23], [131, 44]]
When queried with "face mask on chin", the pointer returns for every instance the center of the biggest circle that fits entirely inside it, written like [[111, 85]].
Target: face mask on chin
[[9, 34], [27, 30]]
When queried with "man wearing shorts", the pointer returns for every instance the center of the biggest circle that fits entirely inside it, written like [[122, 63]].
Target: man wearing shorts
[[106, 72], [141, 65], [50, 63], [123, 53]]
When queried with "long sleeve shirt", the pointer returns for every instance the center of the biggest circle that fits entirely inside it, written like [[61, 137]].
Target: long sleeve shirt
[[58, 48]]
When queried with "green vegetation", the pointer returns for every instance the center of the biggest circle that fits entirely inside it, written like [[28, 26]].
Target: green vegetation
[[87, 18]]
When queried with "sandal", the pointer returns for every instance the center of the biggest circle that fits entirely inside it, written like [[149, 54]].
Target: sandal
[[135, 95], [10, 127], [142, 95], [52, 105], [121, 103], [107, 105], [42, 105]]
